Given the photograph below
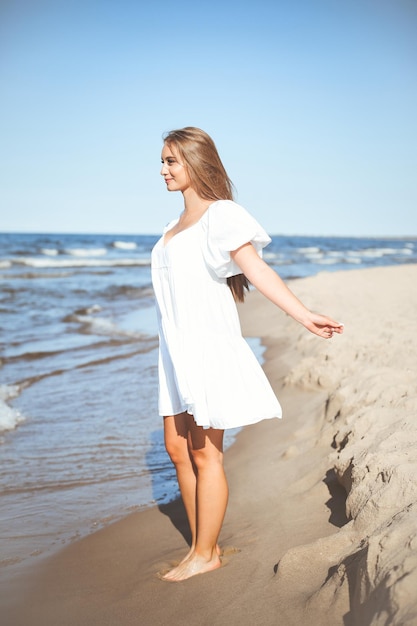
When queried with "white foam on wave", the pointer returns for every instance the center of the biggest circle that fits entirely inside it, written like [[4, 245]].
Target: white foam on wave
[[329, 260], [9, 417], [124, 245], [50, 251], [309, 250], [5, 264], [380, 252], [102, 326], [275, 257], [86, 252], [94, 308], [313, 255], [51, 263]]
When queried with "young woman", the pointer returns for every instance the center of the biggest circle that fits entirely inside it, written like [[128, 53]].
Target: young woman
[[209, 379]]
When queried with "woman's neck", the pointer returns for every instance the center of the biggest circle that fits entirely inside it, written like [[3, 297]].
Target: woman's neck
[[193, 204]]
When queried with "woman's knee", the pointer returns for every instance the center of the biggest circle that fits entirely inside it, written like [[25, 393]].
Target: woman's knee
[[177, 450], [206, 446], [205, 457], [176, 435]]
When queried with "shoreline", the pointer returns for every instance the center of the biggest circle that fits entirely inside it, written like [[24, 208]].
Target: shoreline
[[289, 548]]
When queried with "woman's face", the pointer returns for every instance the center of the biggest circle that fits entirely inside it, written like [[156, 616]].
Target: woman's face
[[173, 170]]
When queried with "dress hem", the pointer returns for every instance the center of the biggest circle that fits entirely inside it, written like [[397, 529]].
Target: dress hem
[[222, 427]]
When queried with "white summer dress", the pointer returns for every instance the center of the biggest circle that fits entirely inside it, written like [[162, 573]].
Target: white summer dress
[[205, 365]]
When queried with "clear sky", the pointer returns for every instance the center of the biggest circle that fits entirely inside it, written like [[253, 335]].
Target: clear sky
[[312, 105]]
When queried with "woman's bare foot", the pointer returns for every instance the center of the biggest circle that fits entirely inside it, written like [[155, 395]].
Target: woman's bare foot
[[194, 565], [219, 552]]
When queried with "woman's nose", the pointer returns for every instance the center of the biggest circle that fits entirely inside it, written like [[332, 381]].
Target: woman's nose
[[164, 169]]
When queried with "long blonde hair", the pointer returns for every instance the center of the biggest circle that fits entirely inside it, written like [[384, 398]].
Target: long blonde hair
[[208, 178]]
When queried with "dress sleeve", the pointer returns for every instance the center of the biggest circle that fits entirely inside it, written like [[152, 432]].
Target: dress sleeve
[[230, 226]]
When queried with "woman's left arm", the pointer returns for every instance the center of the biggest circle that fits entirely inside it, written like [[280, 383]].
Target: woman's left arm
[[269, 283]]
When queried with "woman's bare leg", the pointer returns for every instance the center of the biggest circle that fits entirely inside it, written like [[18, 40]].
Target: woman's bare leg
[[211, 495], [176, 443]]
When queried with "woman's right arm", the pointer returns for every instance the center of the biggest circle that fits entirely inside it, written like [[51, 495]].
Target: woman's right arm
[[271, 285]]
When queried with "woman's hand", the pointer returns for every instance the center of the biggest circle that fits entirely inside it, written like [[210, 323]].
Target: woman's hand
[[321, 325]]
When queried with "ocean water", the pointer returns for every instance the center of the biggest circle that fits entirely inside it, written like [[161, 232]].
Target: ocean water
[[81, 443]]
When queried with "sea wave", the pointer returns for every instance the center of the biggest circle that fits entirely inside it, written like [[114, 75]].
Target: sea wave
[[100, 325], [314, 254], [83, 252], [129, 291], [124, 245], [308, 250], [37, 356], [375, 253], [59, 263], [9, 417], [329, 261], [32, 275]]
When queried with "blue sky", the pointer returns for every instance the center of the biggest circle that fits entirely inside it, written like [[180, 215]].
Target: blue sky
[[312, 105]]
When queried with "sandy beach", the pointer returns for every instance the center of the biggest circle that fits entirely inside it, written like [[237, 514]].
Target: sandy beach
[[321, 526]]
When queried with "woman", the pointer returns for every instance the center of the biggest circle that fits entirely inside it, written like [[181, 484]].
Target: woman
[[209, 379]]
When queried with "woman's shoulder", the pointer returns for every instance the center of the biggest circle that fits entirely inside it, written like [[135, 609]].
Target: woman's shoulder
[[224, 204], [225, 209]]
